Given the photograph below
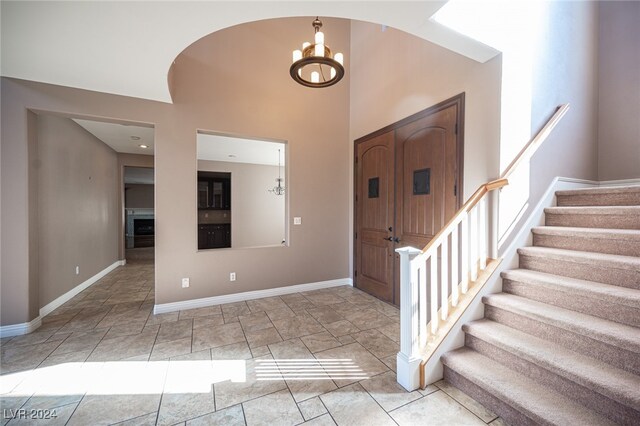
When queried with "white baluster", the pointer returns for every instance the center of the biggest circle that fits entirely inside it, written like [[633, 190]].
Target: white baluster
[[422, 278], [454, 266], [434, 291], [482, 232], [408, 359], [493, 231], [464, 263], [473, 244], [444, 279]]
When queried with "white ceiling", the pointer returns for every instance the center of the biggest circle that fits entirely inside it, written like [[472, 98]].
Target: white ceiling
[[238, 150], [127, 48], [143, 175], [121, 137]]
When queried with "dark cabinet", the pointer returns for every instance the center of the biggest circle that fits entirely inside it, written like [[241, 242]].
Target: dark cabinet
[[214, 236], [214, 191]]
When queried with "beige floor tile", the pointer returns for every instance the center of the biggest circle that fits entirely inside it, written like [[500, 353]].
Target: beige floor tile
[[162, 318], [81, 341], [29, 339], [322, 297], [260, 351], [341, 328], [178, 407], [385, 389], [469, 403], [53, 359], [200, 322], [20, 358], [285, 312], [390, 362], [276, 408], [498, 422], [352, 405], [254, 322], [230, 393], [429, 390], [300, 325], [320, 341], [392, 331], [145, 420], [325, 314], [377, 343], [232, 416], [220, 335], [170, 331], [201, 312], [367, 319], [312, 408], [235, 309], [107, 409], [174, 348], [353, 363], [126, 329], [266, 304], [204, 355], [49, 402], [346, 339], [435, 409], [234, 351], [124, 347], [262, 337], [324, 420]]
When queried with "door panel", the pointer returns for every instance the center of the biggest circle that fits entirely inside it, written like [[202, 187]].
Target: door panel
[[406, 189], [374, 216]]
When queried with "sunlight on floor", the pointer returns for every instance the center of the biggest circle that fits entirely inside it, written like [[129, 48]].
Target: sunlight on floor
[[308, 369]]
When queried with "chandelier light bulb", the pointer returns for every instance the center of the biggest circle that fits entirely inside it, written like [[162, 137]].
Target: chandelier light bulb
[[333, 72], [339, 58], [297, 55], [315, 77], [319, 38], [305, 45], [319, 50]]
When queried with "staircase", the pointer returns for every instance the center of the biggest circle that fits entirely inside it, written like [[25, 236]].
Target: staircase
[[561, 344]]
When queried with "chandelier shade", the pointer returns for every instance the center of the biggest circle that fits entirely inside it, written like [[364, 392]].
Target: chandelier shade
[[314, 65]]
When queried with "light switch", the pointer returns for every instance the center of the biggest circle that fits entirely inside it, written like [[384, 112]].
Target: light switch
[[297, 221]]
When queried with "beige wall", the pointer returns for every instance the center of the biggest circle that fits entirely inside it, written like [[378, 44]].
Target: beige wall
[[257, 215], [138, 196], [619, 91], [216, 90], [77, 206]]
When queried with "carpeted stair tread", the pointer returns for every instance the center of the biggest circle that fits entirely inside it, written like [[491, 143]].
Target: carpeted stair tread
[[608, 264], [539, 403], [603, 196], [625, 242], [601, 190], [610, 293], [608, 332], [613, 234], [614, 383], [595, 210]]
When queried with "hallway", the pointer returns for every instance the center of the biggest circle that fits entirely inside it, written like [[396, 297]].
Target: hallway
[[323, 357]]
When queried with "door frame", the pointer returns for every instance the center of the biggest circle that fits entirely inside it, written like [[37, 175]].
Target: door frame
[[457, 100]]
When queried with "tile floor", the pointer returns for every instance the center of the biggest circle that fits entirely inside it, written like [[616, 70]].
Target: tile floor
[[319, 358]]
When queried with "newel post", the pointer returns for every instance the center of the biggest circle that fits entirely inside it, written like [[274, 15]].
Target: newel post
[[408, 360]]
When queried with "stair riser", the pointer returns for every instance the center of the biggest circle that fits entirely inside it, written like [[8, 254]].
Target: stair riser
[[606, 221], [625, 199], [599, 272], [501, 408], [595, 305], [594, 245], [590, 398], [613, 355]]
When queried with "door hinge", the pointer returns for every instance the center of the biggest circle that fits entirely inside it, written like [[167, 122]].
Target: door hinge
[[356, 198], [456, 129], [455, 190], [356, 160], [356, 235], [356, 273]]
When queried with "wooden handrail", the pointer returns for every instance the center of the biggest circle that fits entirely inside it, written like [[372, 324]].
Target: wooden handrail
[[526, 152], [533, 145]]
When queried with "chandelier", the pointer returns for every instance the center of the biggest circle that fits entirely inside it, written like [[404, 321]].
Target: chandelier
[[314, 63], [278, 189]]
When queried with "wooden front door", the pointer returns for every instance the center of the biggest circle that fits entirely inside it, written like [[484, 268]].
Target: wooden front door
[[375, 193], [423, 156]]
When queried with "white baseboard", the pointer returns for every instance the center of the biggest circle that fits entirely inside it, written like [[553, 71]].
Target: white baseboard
[[247, 295], [50, 307], [20, 329], [620, 182]]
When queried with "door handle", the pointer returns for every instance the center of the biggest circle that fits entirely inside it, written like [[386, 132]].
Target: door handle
[[396, 240], [388, 239]]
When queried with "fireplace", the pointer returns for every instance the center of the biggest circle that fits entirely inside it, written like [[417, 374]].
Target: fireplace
[[143, 232]]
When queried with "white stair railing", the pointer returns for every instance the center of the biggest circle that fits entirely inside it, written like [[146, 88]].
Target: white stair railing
[[435, 279]]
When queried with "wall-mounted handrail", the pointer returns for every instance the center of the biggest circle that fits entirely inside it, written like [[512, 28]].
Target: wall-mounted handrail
[[463, 254]]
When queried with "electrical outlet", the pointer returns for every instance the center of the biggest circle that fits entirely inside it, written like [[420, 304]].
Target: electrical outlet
[[297, 221], [77, 270], [232, 276], [185, 282]]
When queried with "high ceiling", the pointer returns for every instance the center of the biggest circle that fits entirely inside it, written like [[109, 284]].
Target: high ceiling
[[239, 150], [122, 138], [127, 48]]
